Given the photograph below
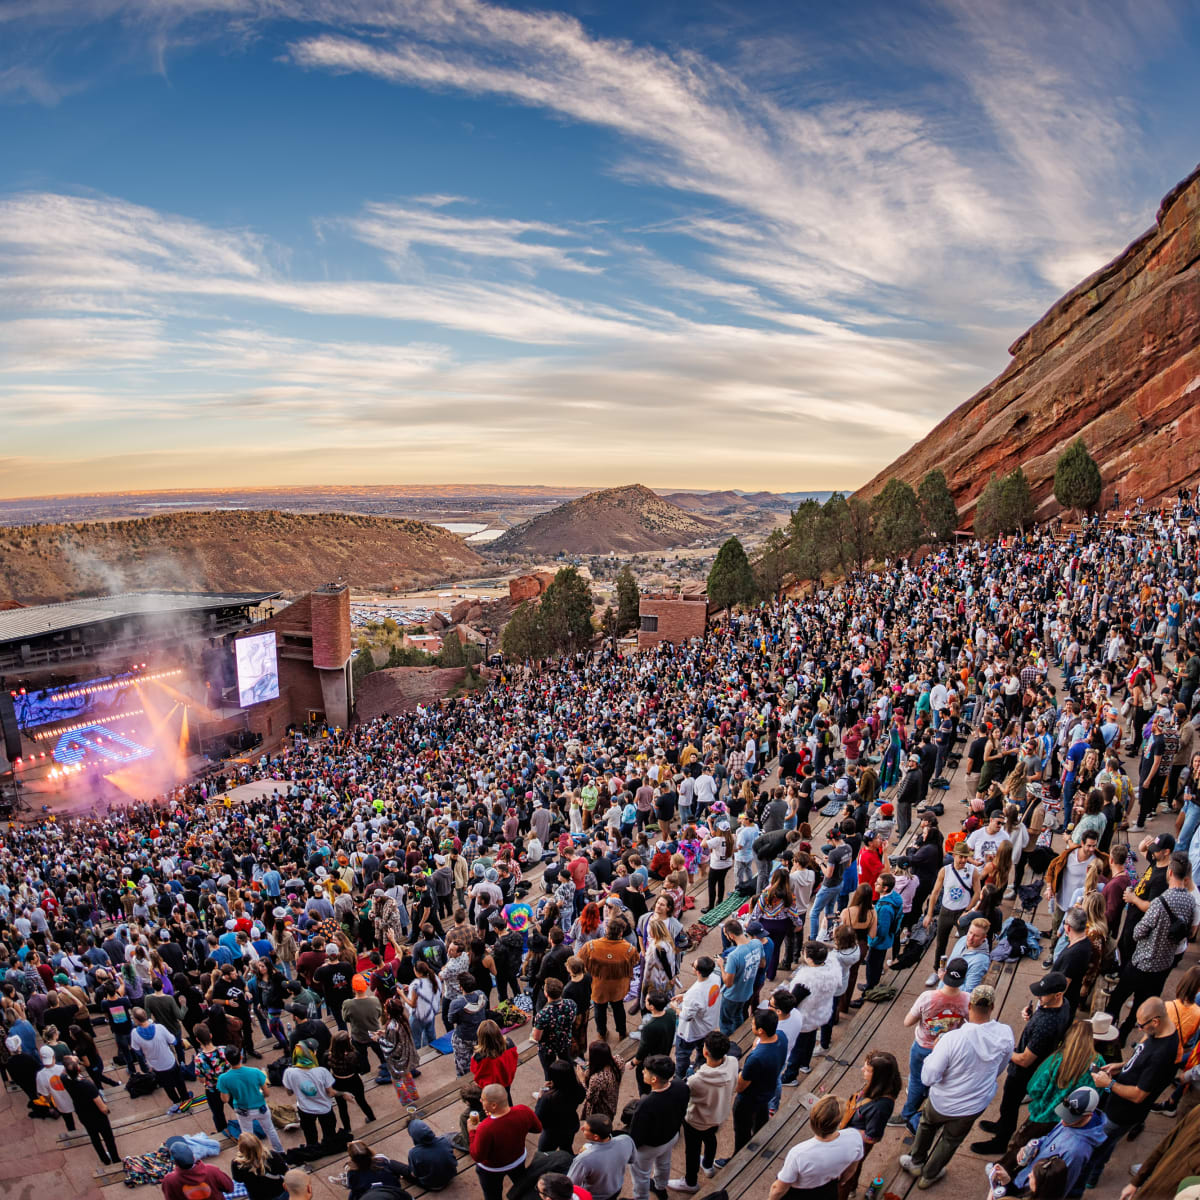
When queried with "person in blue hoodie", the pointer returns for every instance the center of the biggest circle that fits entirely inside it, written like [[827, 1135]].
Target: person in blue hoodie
[[889, 912], [432, 1163], [1079, 1131]]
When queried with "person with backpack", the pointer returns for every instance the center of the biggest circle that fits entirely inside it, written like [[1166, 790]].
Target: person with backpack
[[1170, 919], [889, 912]]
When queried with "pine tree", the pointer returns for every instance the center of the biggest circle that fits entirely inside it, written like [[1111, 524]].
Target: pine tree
[[1016, 502], [629, 600], [807, 557], [772, 566], [859, 538], [938, 510], [363, 664], [566, 611], [522, 638], [610, 626], [1077, 482], [451, 654], [731, 581], [896, 519]]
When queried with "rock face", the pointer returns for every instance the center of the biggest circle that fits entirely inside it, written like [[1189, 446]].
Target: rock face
[[625, 519], [1116, 361]]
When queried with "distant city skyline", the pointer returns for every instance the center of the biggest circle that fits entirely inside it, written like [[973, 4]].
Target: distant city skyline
[[257, 243]]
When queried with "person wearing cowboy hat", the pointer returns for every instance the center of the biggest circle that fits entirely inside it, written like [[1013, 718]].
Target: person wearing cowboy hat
[[907, 795]]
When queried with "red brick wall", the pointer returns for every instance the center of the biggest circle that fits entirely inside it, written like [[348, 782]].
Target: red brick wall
[[678, 620], [399, 689], [332, 644]]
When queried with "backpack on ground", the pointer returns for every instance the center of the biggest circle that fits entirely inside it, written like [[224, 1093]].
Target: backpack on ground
[[141, 1085], [880, 993]]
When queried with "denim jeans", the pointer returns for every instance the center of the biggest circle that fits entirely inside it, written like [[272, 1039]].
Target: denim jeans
[[826, 898], [917, 1091], [683, 1056], [1191, 822], [731, 1015], [422, 1031]]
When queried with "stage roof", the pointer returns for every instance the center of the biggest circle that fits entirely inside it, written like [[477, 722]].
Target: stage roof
[[42, 619]]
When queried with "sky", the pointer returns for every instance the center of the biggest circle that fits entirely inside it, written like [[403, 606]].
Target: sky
[[695, 245]]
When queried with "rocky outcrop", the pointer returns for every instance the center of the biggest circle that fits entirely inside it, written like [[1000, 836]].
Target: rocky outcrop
[[401, 689], [1116, 361]]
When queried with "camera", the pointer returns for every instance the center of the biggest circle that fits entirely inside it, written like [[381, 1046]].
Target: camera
[[899, 861]]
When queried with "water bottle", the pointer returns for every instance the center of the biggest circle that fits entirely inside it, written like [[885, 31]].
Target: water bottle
[[875, 1191]]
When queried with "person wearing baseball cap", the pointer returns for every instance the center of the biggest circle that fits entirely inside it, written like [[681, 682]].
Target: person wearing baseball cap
[[962, 1074], [1074, 1140], [1045, 1027], [1151, 885], [957, 886], [934, 1012]]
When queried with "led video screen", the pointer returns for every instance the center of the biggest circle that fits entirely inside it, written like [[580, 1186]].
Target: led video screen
[[257, 669], [97, 699]]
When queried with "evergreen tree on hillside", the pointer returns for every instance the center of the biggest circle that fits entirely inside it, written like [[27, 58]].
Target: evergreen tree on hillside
[[808, 556], [938, 510], [772, 566], [1016, 502], [859, 538], [731, 581], [566, 612], [896, 519], [451, 654], [523, 639], [628, 599], [363, 664], [1077, 482]]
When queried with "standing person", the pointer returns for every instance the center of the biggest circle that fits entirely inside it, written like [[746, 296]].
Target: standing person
[[780, 914], [361, 1015], [92, 1110], [934, 1013], [1045, 1027], [558, 1108], [345, 1067], [720, 860], [495, 1058], [50, 1086], [697, 1014], [832, 873], [655, 1127], [497, 1140], [814, 985], [210, 1063], [313, 1088], [961, 1074], [711, 1090], [155, 1043], [869, 1110], [1135, 1085], [1169, 919], [889, 912], [600, 1165], [554, 1026], [957, 889], [739, 969], [467, 1013], [812, 1167], [246, 1089], [610, 961], [758, 1078], [656, 1036]]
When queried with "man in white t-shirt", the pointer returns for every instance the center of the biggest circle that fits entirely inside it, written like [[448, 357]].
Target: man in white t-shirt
[[984, 842]]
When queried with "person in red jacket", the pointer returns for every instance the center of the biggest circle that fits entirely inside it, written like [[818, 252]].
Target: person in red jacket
[[192, 1180], [870, 860], [494, 1059], [497, 1140]]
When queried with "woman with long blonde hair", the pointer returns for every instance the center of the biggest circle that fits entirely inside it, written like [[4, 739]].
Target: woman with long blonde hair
[[660, 965], [1068, 1068], [258, 1170]]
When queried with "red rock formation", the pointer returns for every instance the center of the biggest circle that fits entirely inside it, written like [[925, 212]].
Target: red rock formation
[[1116, 361], [528, 587]]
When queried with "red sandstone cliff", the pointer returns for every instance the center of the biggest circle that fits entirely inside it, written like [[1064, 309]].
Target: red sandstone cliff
[[1116, 361]]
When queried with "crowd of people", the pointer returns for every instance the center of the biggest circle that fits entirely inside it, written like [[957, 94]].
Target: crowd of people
[[529, 855]]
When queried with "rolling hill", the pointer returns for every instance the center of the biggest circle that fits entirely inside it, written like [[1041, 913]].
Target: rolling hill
[[224, 551], [624, 519]]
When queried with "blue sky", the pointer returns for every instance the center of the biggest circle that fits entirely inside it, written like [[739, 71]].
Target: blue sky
[[697, 245]]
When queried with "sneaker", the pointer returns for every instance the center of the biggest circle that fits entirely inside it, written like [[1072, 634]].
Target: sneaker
[[718, 1163], [682, 1185], [791, 1083], [932, 981], [819, 1050], [924, 1182], [990, 1126], [1010, 893], [897, 1121], [338, 1180], [1166, 1108], [636, 1035], [804, 1070], [710, 1170], [906, 1162]]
